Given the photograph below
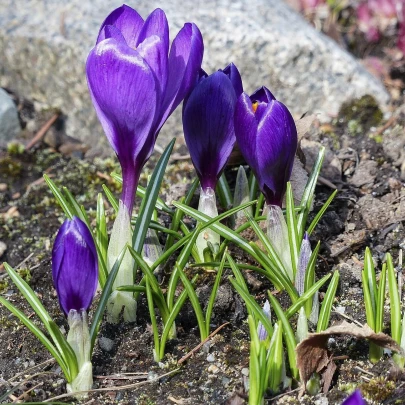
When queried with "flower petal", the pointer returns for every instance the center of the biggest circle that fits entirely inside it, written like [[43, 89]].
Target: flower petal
[[156, 25], [246, 129], [126, 20], [354, 399], [124, 94], [233, 73], [276, 144], [109, 31], [77, 273], [208, 126], [185, 60]]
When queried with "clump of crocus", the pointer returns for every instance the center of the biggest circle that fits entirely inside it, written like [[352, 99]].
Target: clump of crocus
[[75, 276], [209, 133], [267, 137], [135, 83]]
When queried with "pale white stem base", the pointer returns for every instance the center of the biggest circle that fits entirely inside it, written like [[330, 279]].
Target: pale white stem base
[[302, 326], [79, 339], [277, 233], [121, 235], [208, 206]]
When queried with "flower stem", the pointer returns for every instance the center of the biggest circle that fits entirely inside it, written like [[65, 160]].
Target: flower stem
[[208, 206]]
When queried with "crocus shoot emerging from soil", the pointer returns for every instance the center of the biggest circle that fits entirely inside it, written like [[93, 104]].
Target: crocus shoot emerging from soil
[[267, 137], [210, 136], [135, 84], [75, 275]]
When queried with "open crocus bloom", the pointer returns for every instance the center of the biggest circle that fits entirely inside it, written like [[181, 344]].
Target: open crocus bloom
[[135, 83]]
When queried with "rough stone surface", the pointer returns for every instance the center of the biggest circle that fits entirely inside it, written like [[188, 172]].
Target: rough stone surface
[[9, 124], [43, 48]]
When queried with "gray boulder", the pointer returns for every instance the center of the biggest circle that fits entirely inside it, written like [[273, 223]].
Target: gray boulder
[[44, 44], [9, 123]]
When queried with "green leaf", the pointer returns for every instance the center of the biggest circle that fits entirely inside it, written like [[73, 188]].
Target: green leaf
[[306, 296], [153, 283], [40, 335], [69, 354], [253, 307], [288, 335], [224, 193], [309, 191], [77, 211], [98, 314], [276, 360], [131, 288], [141, 192], [172, 316], [309, 279], [152, 316], [319, 215], [293, 239], [213, 295], [149, 201], [326, 308], [368, 303], [101, 239], [180, 264], [110, 197], [65, 205], [395, 302], [379, 316]]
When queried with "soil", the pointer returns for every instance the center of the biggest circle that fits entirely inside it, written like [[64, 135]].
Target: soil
[[364, 161]]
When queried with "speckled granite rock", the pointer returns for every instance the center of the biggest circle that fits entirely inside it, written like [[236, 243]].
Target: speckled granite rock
[[9, 124], [43, 47]]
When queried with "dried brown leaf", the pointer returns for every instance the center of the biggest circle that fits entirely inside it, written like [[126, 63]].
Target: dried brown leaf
[[313, 355]]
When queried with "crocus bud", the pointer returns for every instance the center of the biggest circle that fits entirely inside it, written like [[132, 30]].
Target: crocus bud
[[135, 83], [74, 266], [208, 123], [209, 133], [354, 399], [267, 138], [241, 194], [261, 330], [303, 260], [75, 275]]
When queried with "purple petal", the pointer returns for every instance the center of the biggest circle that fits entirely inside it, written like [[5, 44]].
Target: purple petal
[[74, 266], [246, 130], [233, 73], [157, 55], [354, 399], [126, 20], [123, 91], [185, 60], [262, 95], [208, 126], [276, 146], [109, 31]]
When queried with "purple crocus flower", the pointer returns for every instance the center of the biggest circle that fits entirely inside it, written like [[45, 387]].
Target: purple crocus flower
[[267, 137], [354, 399], [74, 266], [208, 122], [135, 83]]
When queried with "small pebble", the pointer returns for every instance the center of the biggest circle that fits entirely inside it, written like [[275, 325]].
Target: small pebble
[[3, 248], [152, 375], [3, 187], [211, 358], [225, 381], [213, 369], [106, 344], [245, 372]]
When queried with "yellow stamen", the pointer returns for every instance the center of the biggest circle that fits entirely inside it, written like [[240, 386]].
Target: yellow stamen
[[255, 105]]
